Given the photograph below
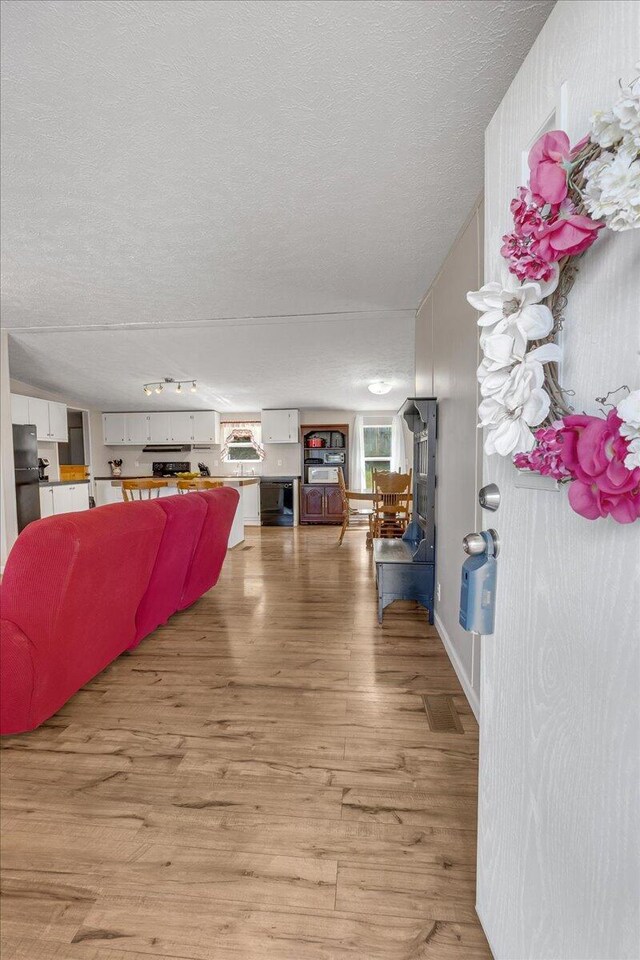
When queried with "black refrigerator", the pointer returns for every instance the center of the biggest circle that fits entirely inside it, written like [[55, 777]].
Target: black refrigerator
[[25, 459]]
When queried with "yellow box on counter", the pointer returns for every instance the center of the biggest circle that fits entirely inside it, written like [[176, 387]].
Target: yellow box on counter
[[73, 471]]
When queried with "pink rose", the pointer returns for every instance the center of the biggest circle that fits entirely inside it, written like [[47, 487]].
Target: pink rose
[[593, 451], [566, 236]]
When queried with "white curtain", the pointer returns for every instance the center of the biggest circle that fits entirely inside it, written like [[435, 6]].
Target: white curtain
[[356, 469], [398, 451]]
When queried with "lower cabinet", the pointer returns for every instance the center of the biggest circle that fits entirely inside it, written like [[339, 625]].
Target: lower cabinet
[[320, 503], [66, 498]]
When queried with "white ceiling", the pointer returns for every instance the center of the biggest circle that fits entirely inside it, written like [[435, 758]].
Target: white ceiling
[[170, 165]]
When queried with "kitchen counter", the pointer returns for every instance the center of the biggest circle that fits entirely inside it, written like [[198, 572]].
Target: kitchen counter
[[173, 481], [60, 483]]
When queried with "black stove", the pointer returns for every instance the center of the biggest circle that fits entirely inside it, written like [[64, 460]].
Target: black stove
[[169, 468]]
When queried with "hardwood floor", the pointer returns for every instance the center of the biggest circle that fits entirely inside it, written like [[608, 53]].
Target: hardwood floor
[[257, 780]]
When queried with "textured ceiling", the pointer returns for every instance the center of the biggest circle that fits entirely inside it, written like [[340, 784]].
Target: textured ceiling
[[170, 162]]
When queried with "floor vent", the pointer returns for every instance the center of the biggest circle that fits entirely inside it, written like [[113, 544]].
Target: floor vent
[[442, 715]]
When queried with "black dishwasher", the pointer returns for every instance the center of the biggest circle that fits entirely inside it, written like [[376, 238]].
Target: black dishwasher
[[276, 501]]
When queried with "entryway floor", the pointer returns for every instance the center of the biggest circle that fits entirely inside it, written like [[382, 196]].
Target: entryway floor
[[259, 780]]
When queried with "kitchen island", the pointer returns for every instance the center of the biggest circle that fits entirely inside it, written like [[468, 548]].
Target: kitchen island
[[108, 490]]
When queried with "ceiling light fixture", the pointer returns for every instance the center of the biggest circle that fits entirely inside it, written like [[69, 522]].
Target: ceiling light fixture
[[379, 387], [159, 385]]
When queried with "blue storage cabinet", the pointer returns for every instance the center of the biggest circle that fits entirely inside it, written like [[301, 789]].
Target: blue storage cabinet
[[405, 568]]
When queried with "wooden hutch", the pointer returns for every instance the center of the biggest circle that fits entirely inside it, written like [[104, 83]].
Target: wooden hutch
[[322, 502]]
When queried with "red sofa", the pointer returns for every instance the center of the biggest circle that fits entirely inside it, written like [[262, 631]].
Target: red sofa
[[80, 589]]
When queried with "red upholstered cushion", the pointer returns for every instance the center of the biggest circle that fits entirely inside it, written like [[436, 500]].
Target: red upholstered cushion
[[72, 586], [212, 545], [185, 516]]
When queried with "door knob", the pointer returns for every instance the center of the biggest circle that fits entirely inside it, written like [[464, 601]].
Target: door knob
[[487, 541]]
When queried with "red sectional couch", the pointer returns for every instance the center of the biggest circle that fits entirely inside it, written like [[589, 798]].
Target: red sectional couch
[[80, 589]]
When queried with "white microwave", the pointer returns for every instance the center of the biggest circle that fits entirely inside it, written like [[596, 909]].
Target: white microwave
[[323, 475]]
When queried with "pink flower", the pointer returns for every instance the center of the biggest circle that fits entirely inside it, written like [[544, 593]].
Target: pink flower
[[526, 210], [548, 162], [545, 457], [567, 235], [593, 451], [528, 266]]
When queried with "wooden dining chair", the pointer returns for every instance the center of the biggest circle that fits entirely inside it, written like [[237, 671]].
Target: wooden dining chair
[[198, 483], [145, 489], [391, 505], [352, 514]]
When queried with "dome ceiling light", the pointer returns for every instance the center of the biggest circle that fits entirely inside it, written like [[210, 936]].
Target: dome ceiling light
[[379, 387]]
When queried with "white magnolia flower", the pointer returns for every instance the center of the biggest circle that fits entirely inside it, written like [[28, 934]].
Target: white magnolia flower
[[632, 459], [511, 315], [612, 188], [514, 401], [605, 128], [629, 412]]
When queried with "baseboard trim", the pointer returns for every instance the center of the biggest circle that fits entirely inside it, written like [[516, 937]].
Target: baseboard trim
[[469, 692]]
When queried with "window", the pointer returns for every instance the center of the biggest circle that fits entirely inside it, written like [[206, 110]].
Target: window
[[241, 442], [377, 451]]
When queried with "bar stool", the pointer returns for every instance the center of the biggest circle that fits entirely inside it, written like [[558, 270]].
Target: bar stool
[[198, 484], [141, 487]]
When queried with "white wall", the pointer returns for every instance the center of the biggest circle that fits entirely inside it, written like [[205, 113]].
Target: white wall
[[559, 869], [446, 363], [8, 516]]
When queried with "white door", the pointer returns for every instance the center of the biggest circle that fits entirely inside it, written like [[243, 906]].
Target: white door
[[46, 502], [279, 426], [137, 428], [557, 835], [58, 424], [159, 428], [19, 408], [206, 426], [39, 414], [181, 426], [114, 429]]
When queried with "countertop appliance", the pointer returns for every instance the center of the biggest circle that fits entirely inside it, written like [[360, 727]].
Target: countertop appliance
[[276, 501], [334, 458], [322, 475], [43, 463], [27, 473], [169, 468]]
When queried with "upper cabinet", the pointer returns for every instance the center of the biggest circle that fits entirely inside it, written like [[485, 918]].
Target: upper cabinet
[[280, 426], [50, 418], [182, 426]]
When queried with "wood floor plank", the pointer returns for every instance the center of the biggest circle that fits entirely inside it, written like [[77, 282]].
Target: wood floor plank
[[257, 780]]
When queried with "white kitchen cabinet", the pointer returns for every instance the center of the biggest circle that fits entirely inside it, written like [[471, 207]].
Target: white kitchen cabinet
[[105, 493], [114, 429], [160, 428], [46, 502], [50, 418], [39, 414], [63, 498], [205, 426], [280, 426], [19, 408], [137, 428], [181, 426], [250, 501], [58, 427]]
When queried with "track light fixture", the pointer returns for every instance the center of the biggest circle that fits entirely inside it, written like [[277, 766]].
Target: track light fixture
[[159, 385]]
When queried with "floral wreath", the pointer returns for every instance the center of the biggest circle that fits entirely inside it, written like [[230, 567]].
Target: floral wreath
[[572, 194]]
